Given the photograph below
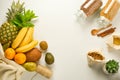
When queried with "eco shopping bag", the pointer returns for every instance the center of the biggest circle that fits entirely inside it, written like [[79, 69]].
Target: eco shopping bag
[[9, 70]]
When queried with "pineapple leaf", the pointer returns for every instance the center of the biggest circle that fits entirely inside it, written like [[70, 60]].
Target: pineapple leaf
[[24, 19], [17, 23], [28, 24], [29, 15], [15, 8]]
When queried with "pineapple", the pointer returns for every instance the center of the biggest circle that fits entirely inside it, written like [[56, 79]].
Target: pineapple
[[9, 31], [15, 9]]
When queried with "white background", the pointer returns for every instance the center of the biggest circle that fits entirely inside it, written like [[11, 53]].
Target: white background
[[69, 40]]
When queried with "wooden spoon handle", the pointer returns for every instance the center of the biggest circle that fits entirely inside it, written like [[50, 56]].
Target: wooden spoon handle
[[107, 32], [95, 31]]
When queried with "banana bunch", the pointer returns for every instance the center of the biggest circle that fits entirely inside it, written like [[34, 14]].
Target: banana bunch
[[24, 40]]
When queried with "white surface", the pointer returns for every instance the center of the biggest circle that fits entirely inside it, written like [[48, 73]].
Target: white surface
[[69, 40]]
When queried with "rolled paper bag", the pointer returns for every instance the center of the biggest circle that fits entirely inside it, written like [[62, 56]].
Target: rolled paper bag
[[88, 8], [95, 59], [114, 41], [108, 12], [104, 69]]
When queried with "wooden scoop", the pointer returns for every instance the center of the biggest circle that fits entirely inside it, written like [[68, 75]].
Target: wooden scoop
[[95, 31]]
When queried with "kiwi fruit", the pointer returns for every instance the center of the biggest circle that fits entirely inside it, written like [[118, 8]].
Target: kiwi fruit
[[49, 58], [43, 45]]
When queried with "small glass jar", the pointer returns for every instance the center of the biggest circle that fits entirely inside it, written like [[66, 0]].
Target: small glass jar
[[88, 8], [108, 12]]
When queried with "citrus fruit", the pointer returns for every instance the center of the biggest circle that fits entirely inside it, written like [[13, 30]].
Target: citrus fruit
[[20, 58], [10, 53]]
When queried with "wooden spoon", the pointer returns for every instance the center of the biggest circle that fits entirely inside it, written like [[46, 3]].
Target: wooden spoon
[[95, 31]]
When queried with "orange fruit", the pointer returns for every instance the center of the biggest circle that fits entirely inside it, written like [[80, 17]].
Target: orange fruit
[[20, 58], [10, 53]]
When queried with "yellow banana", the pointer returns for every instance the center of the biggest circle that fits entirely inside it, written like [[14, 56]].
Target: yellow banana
[[27, 47], [19, 37], [28, 38]]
